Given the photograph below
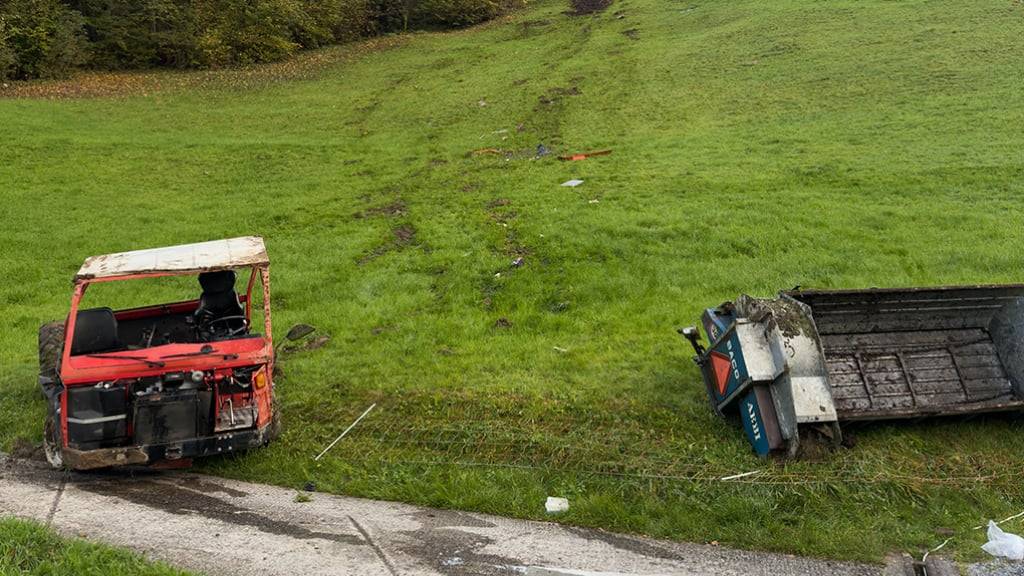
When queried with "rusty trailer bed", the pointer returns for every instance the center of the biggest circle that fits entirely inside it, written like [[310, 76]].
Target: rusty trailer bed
[[911, 353]]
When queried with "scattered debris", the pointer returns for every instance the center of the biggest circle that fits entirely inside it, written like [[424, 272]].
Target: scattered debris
[[555, 505], [482, 151], [342, 435], [503, 323], [482, 103], [560, 349], [585, 155], [593, 201], [309, 487], [738, 476], [453, 561], [526, 153], [517, 262], [632, 33], [572, 183], [1003, 544]]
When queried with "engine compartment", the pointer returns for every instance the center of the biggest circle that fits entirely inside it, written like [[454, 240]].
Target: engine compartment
[[165, 409]]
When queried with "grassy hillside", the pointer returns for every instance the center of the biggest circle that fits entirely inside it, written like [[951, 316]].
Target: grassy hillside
[[29, 549], [756, 145]]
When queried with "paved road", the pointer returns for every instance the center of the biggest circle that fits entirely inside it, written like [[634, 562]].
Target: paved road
[[228, 528]]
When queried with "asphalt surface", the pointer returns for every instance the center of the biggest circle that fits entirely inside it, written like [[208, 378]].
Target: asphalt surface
[[228, 528]]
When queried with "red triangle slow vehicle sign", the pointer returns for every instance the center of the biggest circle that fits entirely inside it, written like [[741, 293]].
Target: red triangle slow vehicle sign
[[722, 367]]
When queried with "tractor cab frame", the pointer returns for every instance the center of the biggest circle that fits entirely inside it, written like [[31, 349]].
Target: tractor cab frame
[[162, 384]]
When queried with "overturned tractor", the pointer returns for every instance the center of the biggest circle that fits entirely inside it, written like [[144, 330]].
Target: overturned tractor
[[162, 383]]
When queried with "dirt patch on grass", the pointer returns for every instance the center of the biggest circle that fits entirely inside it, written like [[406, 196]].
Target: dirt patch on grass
[[402, 236], [25, 450], [584, 7], [91, 84], [396, 208], [632, 33], [555, 95]]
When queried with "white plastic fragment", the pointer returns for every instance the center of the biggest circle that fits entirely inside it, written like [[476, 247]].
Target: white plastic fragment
[[738, 476], [556, 505], [1003, 544], [572, 183]]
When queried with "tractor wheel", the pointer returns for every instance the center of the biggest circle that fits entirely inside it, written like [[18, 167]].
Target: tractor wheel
[[52, 443], [51, 345]]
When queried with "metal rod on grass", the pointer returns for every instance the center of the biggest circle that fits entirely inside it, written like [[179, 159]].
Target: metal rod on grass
[[351, 426]]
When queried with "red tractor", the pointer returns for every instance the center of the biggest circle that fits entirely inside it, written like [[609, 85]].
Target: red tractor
[[161, 384]]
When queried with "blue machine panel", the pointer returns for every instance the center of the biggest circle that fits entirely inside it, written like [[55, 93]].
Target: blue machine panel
[[725, 365], [758, 415]]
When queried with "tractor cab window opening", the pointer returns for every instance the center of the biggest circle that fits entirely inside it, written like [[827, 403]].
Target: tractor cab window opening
[[136, 314]]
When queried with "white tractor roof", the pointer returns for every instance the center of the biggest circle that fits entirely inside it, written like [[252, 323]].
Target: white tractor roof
[[199, 257]]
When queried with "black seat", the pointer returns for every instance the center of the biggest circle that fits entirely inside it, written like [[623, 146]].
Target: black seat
[[219, 299], [95, 332]]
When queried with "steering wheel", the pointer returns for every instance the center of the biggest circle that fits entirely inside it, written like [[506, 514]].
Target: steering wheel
[[231, 331]]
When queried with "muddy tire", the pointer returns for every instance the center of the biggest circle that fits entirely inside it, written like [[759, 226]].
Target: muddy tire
[[274, 432], [51, 345], [52, 443]]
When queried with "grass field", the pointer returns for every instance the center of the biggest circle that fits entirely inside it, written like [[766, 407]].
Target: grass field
[[756, 146], [29, 549]]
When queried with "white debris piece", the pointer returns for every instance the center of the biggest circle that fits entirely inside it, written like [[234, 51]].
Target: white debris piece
[[572, 183], [556, 505], [1003, 544]]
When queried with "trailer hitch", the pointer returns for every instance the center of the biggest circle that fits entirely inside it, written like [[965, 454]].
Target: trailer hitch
[[693, 335]]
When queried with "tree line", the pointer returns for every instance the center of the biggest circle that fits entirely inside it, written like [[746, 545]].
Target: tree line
[[50, 38]]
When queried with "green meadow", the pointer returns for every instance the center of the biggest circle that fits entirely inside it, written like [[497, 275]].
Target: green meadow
[[755, 146]]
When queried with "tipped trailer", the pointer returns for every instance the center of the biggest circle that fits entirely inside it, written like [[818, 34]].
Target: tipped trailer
[[814, 359]]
